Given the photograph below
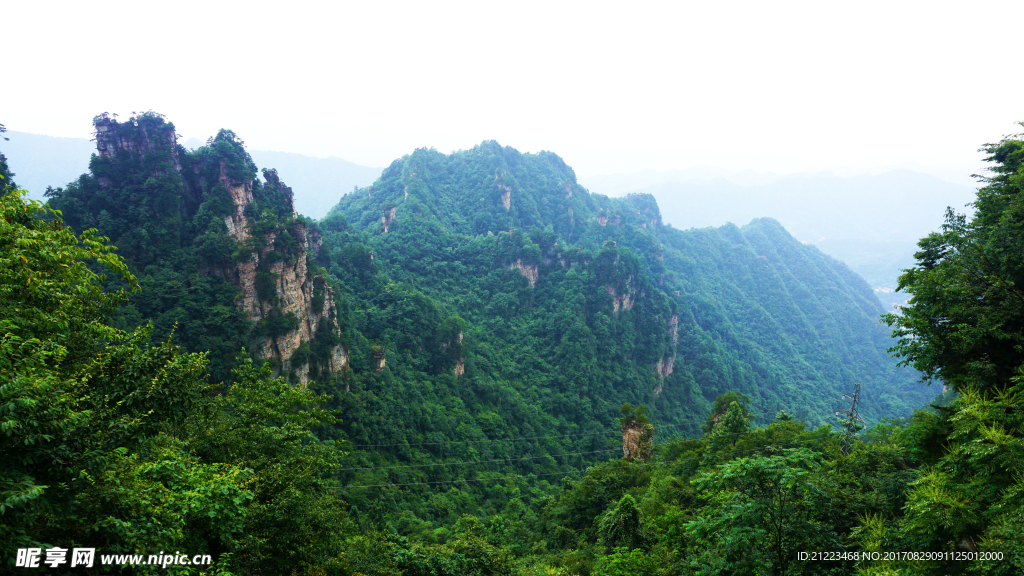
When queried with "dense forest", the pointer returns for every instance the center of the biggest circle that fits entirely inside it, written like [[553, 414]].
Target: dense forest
[[443, 375]]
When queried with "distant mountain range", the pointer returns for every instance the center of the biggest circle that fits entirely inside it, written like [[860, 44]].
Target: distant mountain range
[[872, 222], [39, 161], [318, 183], [869, 221]]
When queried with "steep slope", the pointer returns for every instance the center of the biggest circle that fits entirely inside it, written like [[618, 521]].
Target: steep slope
[[870, 222], [478, 315], [223, 259], [594, 301]]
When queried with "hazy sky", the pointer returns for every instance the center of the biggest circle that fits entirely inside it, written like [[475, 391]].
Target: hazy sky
[[611, 87]]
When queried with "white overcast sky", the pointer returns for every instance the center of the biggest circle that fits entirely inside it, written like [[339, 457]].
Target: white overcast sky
[[611, 87]]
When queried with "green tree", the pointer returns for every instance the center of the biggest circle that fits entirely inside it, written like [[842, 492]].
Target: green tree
[[760, 513], [621, 526], [6, 176], [265, 426], [111, 442], [723, 403], [625, 562], [964, 323], [87, 451]]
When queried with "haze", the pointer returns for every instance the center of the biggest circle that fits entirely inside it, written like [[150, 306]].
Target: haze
[[783, 87]]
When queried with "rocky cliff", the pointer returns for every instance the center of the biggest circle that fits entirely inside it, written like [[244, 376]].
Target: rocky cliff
[[205, 213], [275, 287]]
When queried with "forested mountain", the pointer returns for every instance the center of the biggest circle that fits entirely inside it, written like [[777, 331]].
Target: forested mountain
[[656, 315], [222, 259], [869, 221], [460, 347], [317, 182]]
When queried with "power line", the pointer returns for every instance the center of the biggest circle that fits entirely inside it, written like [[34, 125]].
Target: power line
[[479, 461], [464, 462], [467, 480], [452, 481], [495, 439]]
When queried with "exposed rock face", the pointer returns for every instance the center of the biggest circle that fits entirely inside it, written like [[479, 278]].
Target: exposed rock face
[[665, 365], [378, 355], [648, 213], [504, 189], [460, 368], [296, 292], [606, 218], [637, 440], [388, 217], [620, 302], [274, 285], [506, 196], [528, 271], [109, 141]]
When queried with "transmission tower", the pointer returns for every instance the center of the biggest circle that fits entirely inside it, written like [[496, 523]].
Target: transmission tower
[[850, 419]]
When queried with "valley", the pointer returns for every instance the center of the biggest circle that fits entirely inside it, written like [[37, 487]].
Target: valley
[[473, 365]]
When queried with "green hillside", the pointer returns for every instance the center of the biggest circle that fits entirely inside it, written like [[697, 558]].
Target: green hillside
[[754, 311], [451, 363], [485, 296]]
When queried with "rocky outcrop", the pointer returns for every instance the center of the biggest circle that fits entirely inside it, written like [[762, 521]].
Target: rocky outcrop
[[388, 217], [287, 303], [637, 440], [620, 302], [138, 141], [110, 140], [280, 288], [503, 189], [665, 365], [506, 196], [646, 209], [378, 357], [528, 271]]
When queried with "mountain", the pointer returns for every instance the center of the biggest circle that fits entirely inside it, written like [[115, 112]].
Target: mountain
[[317, 182], [223, 260], [479, 322], [621, 184], [462, 336], [480, 306], [870, 221], [43, 161], [612, 305]]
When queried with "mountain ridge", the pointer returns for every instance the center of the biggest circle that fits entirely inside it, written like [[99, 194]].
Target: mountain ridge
[[54, 161], [494, 191]]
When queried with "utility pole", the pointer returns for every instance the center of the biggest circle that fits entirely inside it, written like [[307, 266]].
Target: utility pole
[[851, 419]]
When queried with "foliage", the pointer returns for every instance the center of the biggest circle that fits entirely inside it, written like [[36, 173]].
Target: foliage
[[761, 512], [113, 443], [492, 331], [621, 526], [965, 320]]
